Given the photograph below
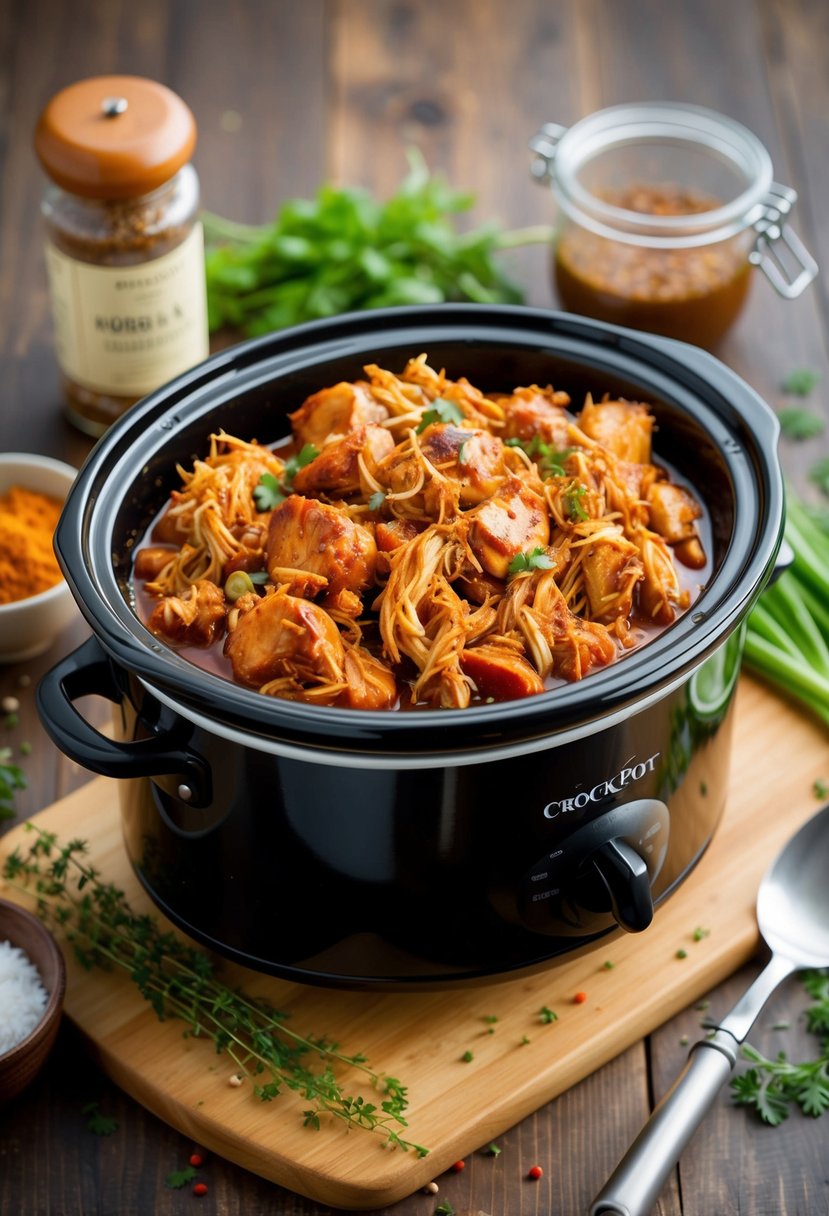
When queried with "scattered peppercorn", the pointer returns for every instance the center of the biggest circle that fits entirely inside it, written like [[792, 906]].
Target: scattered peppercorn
[[200, 1188], [579, 998], [458, 1166], [535, 1172]]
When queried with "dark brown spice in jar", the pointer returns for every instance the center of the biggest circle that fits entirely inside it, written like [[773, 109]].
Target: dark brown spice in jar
[[124, 246], [693, 293]]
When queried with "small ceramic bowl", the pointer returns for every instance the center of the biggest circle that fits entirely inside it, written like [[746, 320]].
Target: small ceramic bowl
[[20, 1065], [28, 627]]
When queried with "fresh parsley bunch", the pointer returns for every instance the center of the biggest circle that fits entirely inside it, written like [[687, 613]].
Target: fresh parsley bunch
[[773, 1087], [344, 250]]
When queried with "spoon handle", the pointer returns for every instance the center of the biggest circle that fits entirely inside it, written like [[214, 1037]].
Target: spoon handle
[[635, 1184]]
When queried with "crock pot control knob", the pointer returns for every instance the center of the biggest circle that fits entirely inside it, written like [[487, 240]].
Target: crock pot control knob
[[625, 877]]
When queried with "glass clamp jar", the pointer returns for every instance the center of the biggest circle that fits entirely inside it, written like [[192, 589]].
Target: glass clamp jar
[[663, 209], [124, 250]]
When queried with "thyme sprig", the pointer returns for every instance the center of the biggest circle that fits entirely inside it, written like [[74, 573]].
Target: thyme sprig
[[178, 981]]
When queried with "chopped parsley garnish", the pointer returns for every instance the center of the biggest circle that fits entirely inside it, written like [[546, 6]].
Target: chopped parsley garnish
[[99, 1123], [441, 410], [800, 382], [269, 492], [549, 460], [376, 501], [547, 1015], [800, 424], [820, 789], [179, 1178], [700, 933], [467, 1057], [536, 559], [493, 1150]]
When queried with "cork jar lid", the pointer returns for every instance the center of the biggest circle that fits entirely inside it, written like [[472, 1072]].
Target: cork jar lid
[[114, 137]]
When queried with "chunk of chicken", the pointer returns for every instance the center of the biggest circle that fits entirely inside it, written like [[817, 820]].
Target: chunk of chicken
[[474, 459], [284, 636], [336, 471], [535, 411], [500, 672], [558, 642], [659, 593], [512, 521], [151, 560], [612, 569], [335, 412], [370, 683], [673, 510], [305, 535], [623, 427], [195, 618]]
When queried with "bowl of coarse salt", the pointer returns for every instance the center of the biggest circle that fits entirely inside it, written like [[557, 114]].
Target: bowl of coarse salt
[[32, 984]]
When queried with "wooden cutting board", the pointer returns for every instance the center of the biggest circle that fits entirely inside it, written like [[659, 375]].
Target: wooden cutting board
[[455, 1107]]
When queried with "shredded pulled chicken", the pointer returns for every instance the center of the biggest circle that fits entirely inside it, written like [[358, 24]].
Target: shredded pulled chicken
[[422, 543]]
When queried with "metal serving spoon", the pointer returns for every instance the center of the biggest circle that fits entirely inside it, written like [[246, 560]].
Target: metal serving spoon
[[793, 915]]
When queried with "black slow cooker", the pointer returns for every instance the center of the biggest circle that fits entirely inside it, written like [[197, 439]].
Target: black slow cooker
[[396, 849]]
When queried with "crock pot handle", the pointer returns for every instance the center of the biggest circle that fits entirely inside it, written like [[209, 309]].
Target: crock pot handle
[[87, 671]]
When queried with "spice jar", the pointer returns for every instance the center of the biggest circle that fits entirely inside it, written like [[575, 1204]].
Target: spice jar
[[663, 210], [124, 254]]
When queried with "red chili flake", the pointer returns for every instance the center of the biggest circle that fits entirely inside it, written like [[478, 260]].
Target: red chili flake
[[200, 1189], [458, 1166], [535, 1172], [196, 1160], [579, 998]]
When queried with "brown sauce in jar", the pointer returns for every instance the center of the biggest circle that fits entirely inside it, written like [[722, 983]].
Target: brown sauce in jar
[[693, 294]]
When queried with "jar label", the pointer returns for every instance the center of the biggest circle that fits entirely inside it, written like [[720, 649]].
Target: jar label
[[125, 330]]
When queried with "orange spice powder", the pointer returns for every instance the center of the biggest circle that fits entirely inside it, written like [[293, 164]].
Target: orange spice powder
[[27, 562]]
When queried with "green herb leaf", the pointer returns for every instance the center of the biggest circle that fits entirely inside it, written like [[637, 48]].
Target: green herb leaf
[[12, 778], [376, 501], [800, 424], [536, 559], [99, 1123], [573, 503], [492, 1150], [819, 474], [800, 382], [179, 1178], [700, 933], [444, 1208], [549, 460], [820, 789], [547, 1015], [267, 493], [467, 1057], [441, 410], [344, 250]]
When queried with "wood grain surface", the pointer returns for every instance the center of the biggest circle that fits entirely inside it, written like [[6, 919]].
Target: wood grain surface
[[633, 983], [287, 95]]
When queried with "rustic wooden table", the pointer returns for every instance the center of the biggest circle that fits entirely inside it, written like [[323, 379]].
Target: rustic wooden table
[[287, 95]]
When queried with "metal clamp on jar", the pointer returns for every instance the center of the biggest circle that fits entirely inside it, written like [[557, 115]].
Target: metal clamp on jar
[[663, 210]]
